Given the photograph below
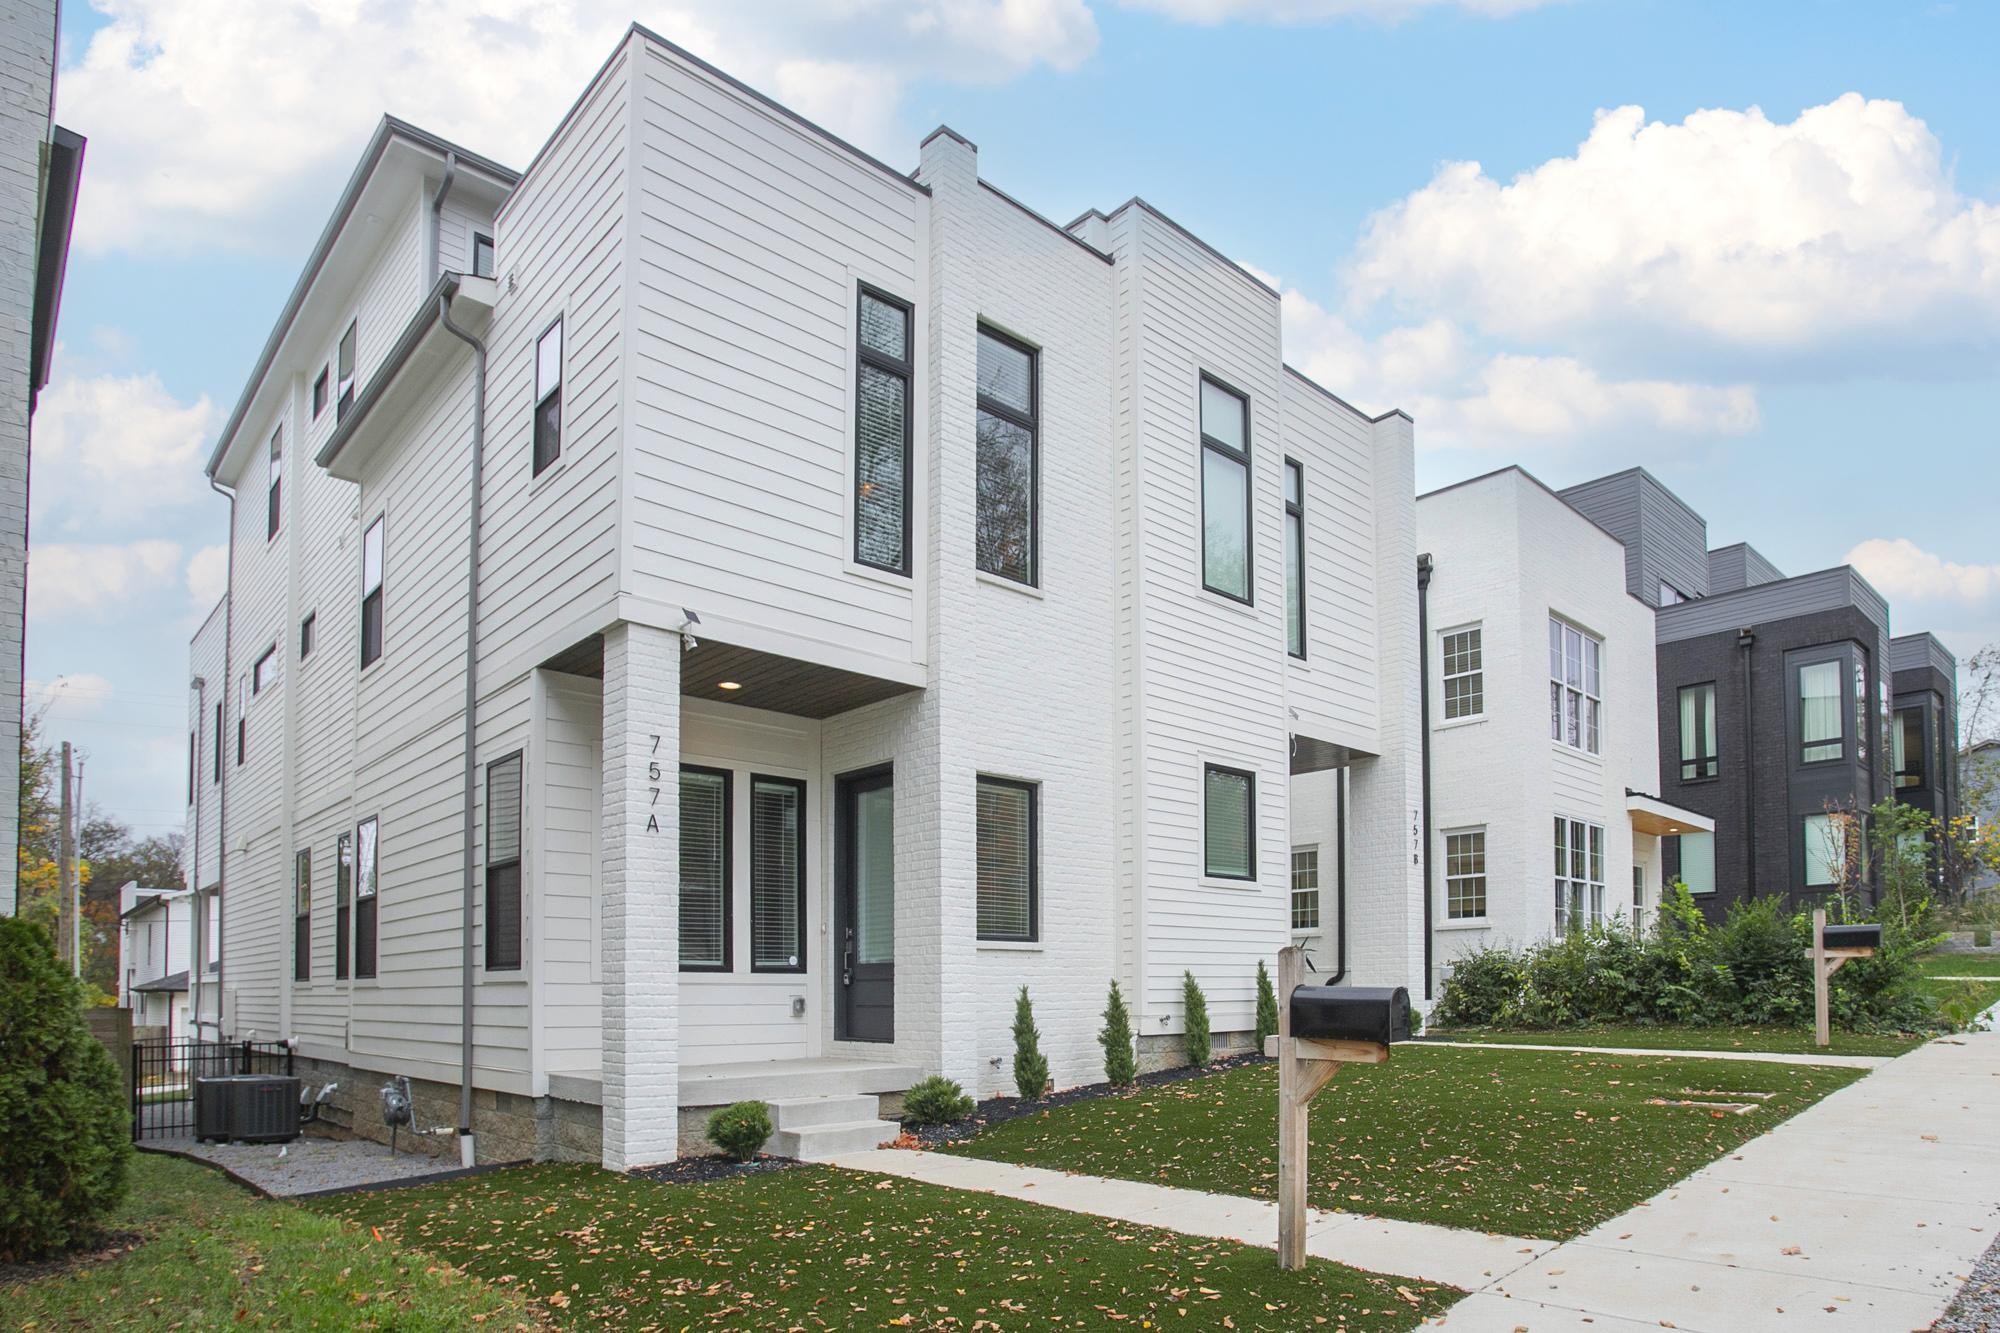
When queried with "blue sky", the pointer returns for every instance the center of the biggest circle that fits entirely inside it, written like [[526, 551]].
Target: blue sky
[[1792, 314]]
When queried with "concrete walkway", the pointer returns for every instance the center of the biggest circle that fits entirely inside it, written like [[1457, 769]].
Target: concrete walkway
[[1408, 1249], [1826, 1060]]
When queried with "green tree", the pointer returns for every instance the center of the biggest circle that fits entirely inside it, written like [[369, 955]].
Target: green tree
[[1031, 1067], [1120, 1067], [1195, 1006], [1267, 1005]]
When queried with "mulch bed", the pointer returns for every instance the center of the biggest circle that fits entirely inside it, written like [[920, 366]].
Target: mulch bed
[[998, 1110], [114, 1245], [698, 1170]]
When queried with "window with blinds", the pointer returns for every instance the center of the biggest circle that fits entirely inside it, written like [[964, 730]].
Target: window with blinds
[[503, 864], [704, 869], [1229, 802], [777, 875], [1820, 733], [882, 453], [1006, 855], [366, 836]]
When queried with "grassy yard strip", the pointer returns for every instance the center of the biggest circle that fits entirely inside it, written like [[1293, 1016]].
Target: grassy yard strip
[[1961, 1001], [1960, 965], [1524, 1143], [816, 1247], [218, 1256], [1653, 1037]]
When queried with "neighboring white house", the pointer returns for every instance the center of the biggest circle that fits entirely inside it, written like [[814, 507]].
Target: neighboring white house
[[886, 599], [1543, 717], [155, 946]]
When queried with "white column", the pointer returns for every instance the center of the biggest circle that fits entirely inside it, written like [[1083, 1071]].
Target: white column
[[641, 895]]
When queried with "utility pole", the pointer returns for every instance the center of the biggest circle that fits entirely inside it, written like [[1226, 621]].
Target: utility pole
[[67, 932]]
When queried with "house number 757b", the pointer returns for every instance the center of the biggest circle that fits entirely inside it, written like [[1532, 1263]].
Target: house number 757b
[[653, 775]]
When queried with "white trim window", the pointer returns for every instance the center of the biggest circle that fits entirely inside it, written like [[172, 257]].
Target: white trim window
[[1579, 878], [1464, 658], [371, 591], [1576, 687], [546, 446], [1465, 875], [1305, 888]]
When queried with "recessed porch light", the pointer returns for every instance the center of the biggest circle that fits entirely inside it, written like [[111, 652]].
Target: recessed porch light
[[728, 685]]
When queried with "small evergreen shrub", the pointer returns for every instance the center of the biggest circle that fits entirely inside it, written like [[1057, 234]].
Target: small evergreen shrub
[[740, 1130], [1195, 1005], [936, 1100], [1120, 1066], [1267, 1005], [1031, 1067], [65, 1124], [1982, 938]]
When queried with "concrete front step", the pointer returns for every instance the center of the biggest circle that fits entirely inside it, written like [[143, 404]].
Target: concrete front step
[[819, 1143], [807, 1112], [775, 1080]]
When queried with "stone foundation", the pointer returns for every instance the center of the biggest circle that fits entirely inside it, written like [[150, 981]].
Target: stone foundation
[[508, 1126], [1169, 1051]]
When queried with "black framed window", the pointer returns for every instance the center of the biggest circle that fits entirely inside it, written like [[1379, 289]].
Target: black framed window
[[371, 591], [482, 255], [1009, 462], [548, 397], [1698, 753], [503, 864], [344, 361], [1907, 750], [1463, 655], [1225, 490], [1229, 814], [274, 502], [1822, 730], [308, 629], [194, 762], [242, 719], [302, 873], [882, 440], [367, 836], [1295, 558], [265, 673], [343, 902], [705, 843], [1008, 843], [320, 386], [777, 874], [218, 743]]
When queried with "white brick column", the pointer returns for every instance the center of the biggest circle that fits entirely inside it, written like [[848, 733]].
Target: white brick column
[[641, 895]]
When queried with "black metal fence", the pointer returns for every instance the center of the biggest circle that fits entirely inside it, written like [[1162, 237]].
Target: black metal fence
[[163, 1075]]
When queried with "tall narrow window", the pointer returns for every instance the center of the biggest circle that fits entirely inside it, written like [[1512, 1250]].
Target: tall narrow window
[[1698, 862], [371, 591], [1225, 490], [1465, 875], [1464, 656], [1295, 559], [705, 843], [343, 360], [1579, 874], [1008, 459], [320, 386], [1827, 849], [1638, 897], [366, 836], [242, 719], [777, 874], [548, 397], [343, 902], [503, 864], [1305, 888], [1698, 756], [1906, 747], [482, 255], [218, 743], [1576, 675], [1229, 837], [308, 629], [274, 501], [882, 433], [194, 762], [302, 896], [1005, 855], [1820, 735]]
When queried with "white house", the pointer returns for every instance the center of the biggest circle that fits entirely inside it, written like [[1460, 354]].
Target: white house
[[155, 949], [712, 616], [1544, 729]]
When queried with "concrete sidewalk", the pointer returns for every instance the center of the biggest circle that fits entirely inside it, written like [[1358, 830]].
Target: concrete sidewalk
[[1864, 1212]]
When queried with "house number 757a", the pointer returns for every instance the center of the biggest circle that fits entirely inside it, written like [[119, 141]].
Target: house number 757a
[[653, 775]]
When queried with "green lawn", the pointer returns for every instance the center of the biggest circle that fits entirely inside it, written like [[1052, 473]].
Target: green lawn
[[1528, 1143], [218, 1256], [1960, 965], [816, 1247], [1961, 1001], [1782, 1041]]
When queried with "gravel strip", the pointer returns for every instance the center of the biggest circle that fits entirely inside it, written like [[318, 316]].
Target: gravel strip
[[1976, 1308], [310, 1165]]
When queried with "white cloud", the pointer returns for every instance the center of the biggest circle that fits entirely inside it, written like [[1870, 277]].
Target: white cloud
[[1900, 569], [1466, 398], [90, 581], [111, 450], [209, 117], [208, 577], [1840, 229], [1318, 11], [81, 694]]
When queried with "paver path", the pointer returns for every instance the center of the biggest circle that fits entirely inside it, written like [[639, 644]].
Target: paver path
[[1408, 1249], [1827, 1060]]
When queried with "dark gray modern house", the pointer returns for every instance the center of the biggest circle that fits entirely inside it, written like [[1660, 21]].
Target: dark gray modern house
[[1781, 700]]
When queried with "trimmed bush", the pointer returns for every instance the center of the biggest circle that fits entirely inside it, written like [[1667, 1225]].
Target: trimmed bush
[[1982, 938], [1120, 1066], [740, 1130], [1267, 1005], [65, 1124], [1195, 1006], [935, 1101], [1031, 1067]]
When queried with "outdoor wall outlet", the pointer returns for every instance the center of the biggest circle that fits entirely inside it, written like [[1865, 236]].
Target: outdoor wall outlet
[[798, 1006]]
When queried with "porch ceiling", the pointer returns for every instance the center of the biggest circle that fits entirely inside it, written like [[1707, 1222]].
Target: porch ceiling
[[1312, 755], [1663, 819], [763, 680]]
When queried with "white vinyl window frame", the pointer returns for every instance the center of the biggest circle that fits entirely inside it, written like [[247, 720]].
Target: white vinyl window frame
[[1462, 668], [1305, 887], [1579, 874], [1466, 900], [1576, 687]]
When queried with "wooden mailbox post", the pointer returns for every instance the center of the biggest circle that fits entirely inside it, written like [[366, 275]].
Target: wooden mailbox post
[[1304, 1066], [1826, 962]]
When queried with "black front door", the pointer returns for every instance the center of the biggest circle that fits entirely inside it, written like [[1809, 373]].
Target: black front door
[[865, 907]]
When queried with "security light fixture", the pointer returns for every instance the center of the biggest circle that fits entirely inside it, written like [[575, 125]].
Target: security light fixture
[[728, 685]]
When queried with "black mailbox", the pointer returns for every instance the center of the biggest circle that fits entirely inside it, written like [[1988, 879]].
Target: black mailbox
[[1851, 937], [1351, 1013]]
